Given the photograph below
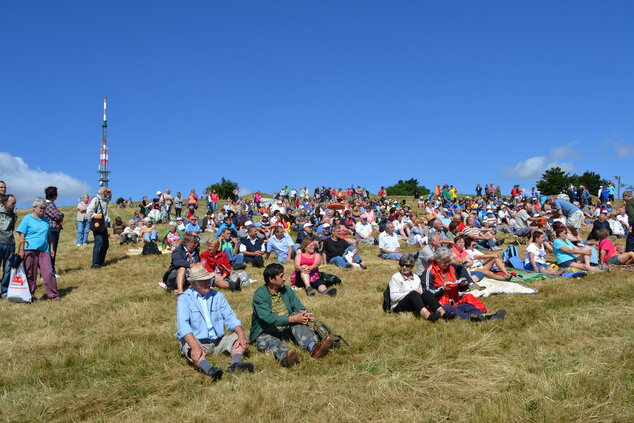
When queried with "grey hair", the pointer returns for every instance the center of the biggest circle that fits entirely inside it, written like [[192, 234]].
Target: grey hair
[[443, 254], [406, 259], [38, 202], [627, 193]]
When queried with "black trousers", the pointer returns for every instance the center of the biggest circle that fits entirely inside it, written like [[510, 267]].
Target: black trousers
[[629, 242], [415, 302]]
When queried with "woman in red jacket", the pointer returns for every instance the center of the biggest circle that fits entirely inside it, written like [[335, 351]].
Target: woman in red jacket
[[217, 263], [441, 279]]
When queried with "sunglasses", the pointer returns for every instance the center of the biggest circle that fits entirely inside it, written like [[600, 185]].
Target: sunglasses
[[407, 265]]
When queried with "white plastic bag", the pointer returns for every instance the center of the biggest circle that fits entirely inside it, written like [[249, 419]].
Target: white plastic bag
[[19, 286]]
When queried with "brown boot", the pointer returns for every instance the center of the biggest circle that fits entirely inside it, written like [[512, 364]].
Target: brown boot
[[321, 348], [291, 358]]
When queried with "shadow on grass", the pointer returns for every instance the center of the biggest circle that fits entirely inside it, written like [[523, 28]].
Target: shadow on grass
[[115, 260], [67, 290]]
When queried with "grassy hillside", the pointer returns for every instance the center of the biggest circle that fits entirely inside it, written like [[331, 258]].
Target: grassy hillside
[[106, 353]]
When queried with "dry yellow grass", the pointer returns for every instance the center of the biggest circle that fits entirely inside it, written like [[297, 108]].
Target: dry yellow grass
[[106, 353]]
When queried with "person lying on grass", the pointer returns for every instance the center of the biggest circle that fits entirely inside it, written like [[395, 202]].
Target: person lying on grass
[[442, 281], [483, 263], [608, 253], [536, 256], [407, 295], [279, 315], [568, 255], [202, 314]]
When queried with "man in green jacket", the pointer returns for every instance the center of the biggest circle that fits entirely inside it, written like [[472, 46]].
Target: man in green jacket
[[279, 315]]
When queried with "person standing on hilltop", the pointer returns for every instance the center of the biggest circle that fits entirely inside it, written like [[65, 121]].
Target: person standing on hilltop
[[55, 218], [99, 207], [7, 240]]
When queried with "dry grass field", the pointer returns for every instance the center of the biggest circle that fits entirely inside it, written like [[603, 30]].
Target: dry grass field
[[106, 353]]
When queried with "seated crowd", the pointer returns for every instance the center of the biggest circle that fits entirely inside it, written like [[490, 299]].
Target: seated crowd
[[444, 247]]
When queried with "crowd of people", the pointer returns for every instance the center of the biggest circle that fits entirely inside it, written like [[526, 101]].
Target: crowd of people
[[454, 243]]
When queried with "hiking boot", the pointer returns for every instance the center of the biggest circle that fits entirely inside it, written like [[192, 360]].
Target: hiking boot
[[240, 266], [235, 286], [240, 367], [498, 315], [322, 347], [363, 266], [215, 373], [310, 291], [478, 318], [330, 292], [500, 242], [291, 358], [449, 315], [434, 316]]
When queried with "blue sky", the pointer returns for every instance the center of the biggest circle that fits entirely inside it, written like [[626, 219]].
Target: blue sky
[[308, 92]]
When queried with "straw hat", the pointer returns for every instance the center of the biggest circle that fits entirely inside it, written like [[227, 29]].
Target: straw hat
[[197, 272]]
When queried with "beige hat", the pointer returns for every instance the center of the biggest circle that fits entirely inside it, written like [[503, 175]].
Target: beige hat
[[197, 272]]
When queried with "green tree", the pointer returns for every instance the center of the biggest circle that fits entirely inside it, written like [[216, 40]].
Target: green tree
[[553, 181], [406, 188], [224, 188], [592, 181]]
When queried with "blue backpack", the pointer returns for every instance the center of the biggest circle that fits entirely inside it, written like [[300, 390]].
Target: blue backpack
[[510, 252]]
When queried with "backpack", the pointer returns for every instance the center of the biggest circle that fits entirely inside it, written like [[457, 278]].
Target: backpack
[[150, 248], [323, 331], [511, 251], [387, 302]]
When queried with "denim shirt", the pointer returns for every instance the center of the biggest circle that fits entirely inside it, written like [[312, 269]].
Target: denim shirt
[[190, 317]]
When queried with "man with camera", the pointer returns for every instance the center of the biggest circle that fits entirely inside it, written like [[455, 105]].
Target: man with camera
[[99, 221]]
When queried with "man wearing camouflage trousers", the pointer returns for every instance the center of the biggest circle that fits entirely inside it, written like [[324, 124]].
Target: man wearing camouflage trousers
[[279, 315]]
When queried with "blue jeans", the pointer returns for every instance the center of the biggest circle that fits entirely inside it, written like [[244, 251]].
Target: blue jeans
[[151, 236], [237, 259], [82, 231], [463, 311], [340, 261], [100, 248], [391, 256], [6, 252], [214, 206]]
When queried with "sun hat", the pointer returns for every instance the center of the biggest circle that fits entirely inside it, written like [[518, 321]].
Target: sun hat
[[197, 272]]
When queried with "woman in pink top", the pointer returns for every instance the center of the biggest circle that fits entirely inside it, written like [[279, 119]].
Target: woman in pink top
[[608, 253], [306, 273]]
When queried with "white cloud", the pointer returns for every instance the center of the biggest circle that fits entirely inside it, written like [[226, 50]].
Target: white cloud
[[624, 150], [565, 152], [533, 167], [27, 183]]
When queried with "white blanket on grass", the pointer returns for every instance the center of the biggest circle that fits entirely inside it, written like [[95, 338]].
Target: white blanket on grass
[[492, 287]]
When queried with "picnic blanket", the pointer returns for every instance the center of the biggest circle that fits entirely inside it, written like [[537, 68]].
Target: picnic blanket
[[492, 287], [138, 251]]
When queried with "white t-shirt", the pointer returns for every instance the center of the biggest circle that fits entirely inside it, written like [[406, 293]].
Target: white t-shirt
[[476, 262], [363, 230], [388, 242], [540, 254]]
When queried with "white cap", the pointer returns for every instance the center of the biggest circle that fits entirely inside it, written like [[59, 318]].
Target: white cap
[[307, 225], [326, 225], [265, 215], [158, 192], [248, 223]]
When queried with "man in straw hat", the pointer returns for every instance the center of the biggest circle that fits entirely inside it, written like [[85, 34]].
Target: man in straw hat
[[202, 314]]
